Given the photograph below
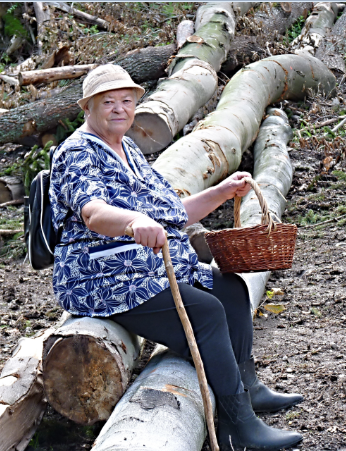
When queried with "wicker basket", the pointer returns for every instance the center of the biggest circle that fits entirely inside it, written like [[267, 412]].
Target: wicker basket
[[264, 247]]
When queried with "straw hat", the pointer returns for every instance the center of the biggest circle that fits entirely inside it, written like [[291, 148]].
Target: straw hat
[[105, 78]]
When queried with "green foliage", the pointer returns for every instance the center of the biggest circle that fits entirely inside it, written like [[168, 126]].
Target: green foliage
[[35, 161], [295, 30], [13, 26], [68, 127], [34, 441], [340, 175]]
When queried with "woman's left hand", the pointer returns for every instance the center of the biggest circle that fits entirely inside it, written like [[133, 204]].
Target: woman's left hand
[[235, 185]]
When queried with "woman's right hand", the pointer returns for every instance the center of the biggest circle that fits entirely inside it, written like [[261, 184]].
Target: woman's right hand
[[148, 232]]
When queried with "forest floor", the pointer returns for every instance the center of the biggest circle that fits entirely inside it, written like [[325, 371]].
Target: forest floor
[[302, 349]]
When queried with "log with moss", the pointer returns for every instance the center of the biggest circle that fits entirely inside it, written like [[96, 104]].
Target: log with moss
[[192, 80], [214, 149], [43, 115]]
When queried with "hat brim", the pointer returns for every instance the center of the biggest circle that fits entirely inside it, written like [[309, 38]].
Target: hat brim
[[110, 86]]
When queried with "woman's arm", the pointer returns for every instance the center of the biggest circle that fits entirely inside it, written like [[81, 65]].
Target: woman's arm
[[105, 219], [199, 205]]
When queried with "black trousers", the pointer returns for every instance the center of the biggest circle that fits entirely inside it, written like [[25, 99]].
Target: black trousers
[[221, 320]]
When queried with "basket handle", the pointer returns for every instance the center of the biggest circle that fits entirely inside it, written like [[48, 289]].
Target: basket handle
[[266, 218]]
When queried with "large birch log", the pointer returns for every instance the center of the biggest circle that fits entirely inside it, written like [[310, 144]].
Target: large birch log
[[57, 73], [22, 402], [317, 25], [214, 149], [45, 114], [192, 80], [273, 172], [87, 364], [162, 410]]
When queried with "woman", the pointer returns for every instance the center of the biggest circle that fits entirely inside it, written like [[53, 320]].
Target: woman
[[100, 184]]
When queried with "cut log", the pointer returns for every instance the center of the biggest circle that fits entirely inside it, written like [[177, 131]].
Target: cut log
[[162, 410], [87, 364], [192, 76], [22, 403], [244, 49], [166, 111], [13, 81], [42, 15], [11, 188], [57, 73], [148, 63], [80, 14], [44, 115], [317, 25], [274, 19], [184, 30], [213, 150], [273, 172], [332, 50]]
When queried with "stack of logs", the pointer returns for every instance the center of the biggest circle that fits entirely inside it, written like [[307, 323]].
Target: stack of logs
[[85, 364]]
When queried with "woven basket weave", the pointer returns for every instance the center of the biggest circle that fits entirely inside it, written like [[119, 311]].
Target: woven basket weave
[[264, 247]]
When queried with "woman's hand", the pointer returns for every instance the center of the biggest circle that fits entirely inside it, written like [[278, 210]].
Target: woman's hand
[[148, 232], [235, 185]]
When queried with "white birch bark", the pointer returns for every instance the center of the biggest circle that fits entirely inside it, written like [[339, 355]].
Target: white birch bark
[[317, 25], [214, 149], [192, 80], [161, 411]]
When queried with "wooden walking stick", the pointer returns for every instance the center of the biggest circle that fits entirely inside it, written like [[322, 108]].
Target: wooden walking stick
[[203, 384]]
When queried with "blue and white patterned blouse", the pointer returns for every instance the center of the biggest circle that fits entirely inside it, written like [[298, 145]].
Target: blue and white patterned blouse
[[96, 275]]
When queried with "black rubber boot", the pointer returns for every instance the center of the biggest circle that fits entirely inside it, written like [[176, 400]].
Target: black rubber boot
[[263, 399], [239, 425]]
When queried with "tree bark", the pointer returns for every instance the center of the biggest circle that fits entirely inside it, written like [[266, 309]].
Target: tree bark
[[274, 19], [184, 30], [162, 410], [331, 51], [11, 188], [213, 150], [22, 403], [41, 17], [273, 172], [80, 14], [317, 25], [87, 364], [192, 79], [244, 49], [45, 115], [57, 73]]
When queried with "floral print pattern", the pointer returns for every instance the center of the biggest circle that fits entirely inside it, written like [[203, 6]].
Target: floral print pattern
[[85, 168]]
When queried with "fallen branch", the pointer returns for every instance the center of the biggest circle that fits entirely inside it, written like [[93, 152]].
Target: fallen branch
[[323, 222], [52, 74], [13, 81], [12, 202], [80, 14], [10, 232], [185, 30], [329, 121]]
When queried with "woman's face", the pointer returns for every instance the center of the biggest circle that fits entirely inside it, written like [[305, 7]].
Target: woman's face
[[111, 113]]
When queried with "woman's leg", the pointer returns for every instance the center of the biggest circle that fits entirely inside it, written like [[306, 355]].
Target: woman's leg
[[158, 320], [232, 292]]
